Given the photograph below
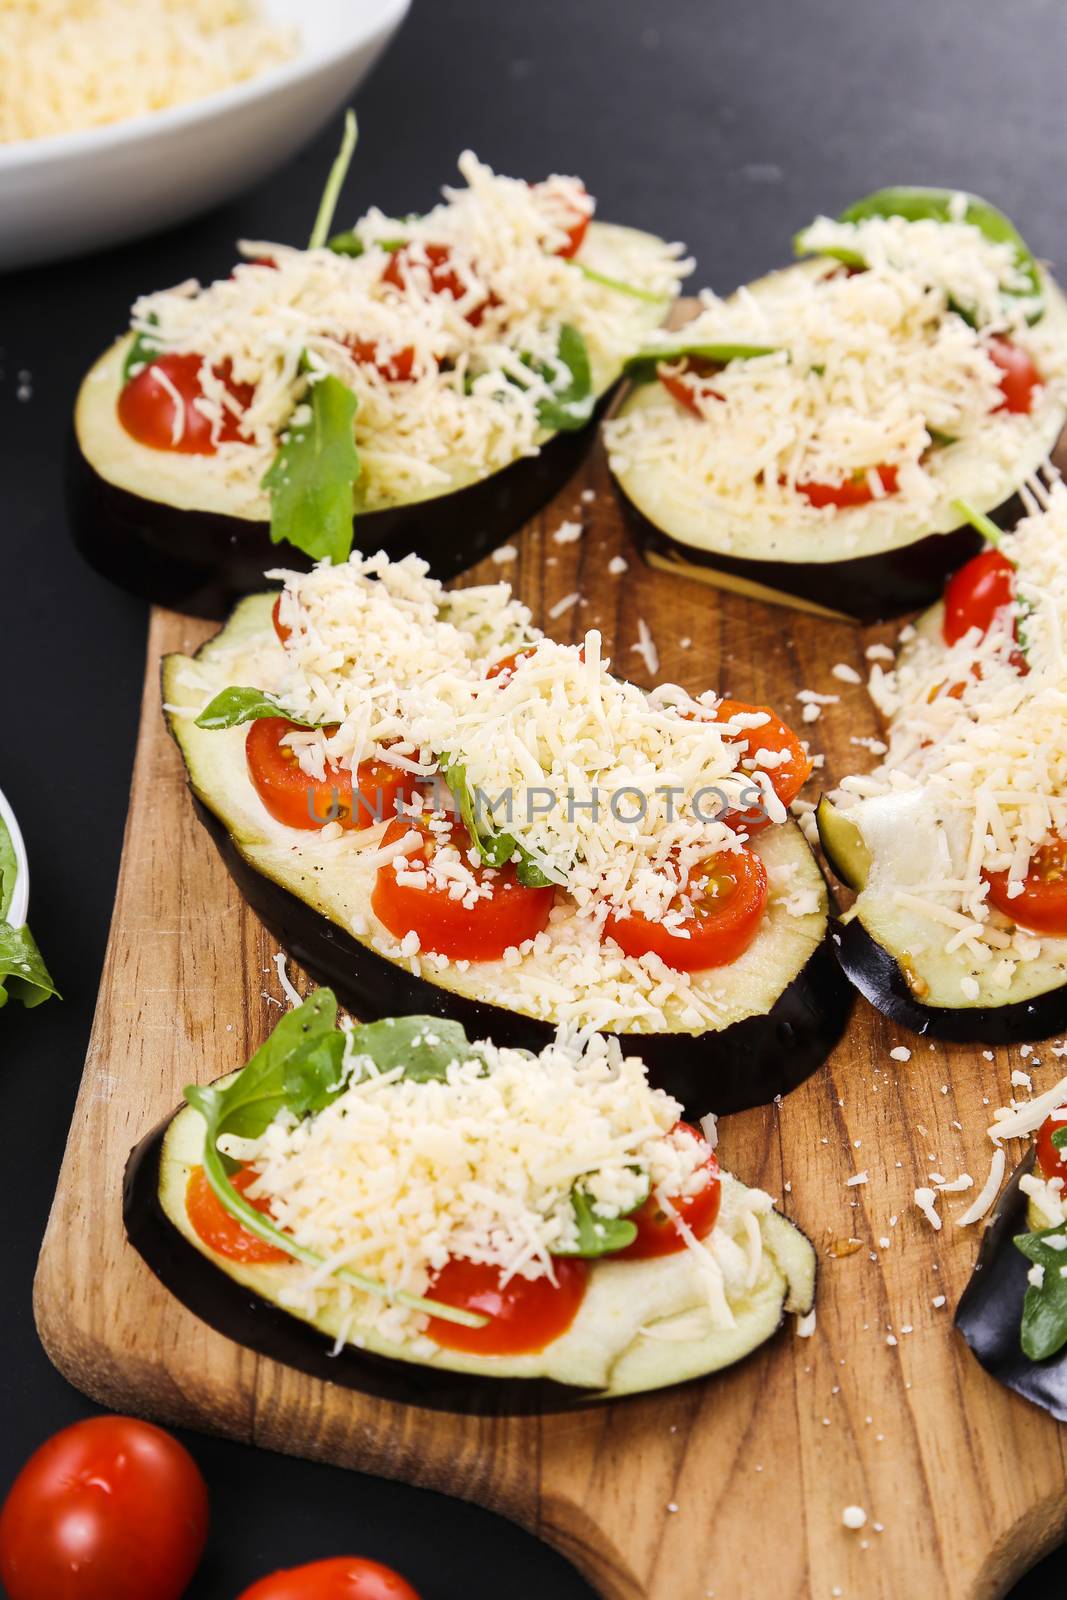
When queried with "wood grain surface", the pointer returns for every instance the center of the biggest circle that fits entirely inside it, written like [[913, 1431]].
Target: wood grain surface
[[733, 1488]]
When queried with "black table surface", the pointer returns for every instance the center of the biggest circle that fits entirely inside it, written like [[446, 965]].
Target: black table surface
[[726, 124]]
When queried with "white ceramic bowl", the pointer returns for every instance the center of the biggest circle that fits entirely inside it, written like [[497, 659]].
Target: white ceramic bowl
[[78, 191], [16, 915]]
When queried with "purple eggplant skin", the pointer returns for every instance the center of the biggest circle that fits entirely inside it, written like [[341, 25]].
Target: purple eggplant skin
[[990, 1313], [865, 589], [878, 977], [250, 1320], [747, 1064], [201, 562]]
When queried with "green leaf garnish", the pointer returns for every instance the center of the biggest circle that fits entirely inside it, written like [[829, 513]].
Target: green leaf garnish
[[919, 205], [980, 523], [495, 849], [23, 974], [1059, 1137], [349, 243], [142, 352], [1044, 1325], [311, 479], [424, 1046], [233, 706], [631, 289], [299, 1069], [942, 440], [642, 368], [570, 377], [8, 870], [599, 1236], [334, 183]]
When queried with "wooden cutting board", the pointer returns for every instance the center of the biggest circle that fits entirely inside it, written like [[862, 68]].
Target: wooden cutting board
[[733, 1488]]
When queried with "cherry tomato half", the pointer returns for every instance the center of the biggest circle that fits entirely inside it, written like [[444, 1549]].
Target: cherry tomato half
[[657, 1234], [221, 1231], [284, 633], [148, 410], [854, 491], [300, 801], [429, 267], [689, 384], [975, 594], [1042, 906], [109, 1509], [728, 893], [786, 779], [338, 1578], [1051, 1160], [1019, 376], [575, 231], [507, 916], [396, 367], [525, 1315]]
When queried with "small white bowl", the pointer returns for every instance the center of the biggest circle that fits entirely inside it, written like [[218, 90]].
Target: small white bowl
[[20, 902], [79, 191]]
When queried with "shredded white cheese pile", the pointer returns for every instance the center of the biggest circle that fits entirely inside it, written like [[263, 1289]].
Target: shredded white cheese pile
[[475, 368], [397, 1176], [869, 370], [614, 792], [66, 65], [984, 748]]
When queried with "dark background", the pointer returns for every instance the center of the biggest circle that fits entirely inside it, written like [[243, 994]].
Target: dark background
[[727, 123]]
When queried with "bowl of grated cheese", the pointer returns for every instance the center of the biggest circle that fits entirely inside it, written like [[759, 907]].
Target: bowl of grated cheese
[[119, 117]]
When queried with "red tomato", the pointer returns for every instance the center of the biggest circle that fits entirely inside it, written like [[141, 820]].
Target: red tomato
[[109, 1509], [786, 780], [147, 410], [855, 491], [339, 1578], [688, 385], [284, 633], [430, 265], [219, 1230], [525, 1314], [395, 368], [509, 915], [291, 796], [575, 231], [1052, 1161], [1020, 376], [976, 594], [729, 894], [657, 1234], [507, 664], [1042, 906]]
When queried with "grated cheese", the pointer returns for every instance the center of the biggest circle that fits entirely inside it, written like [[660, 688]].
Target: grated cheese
[[68, 65]]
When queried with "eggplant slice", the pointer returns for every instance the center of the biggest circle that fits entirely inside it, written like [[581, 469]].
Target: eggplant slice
[[990, 1312], [150, 522], [239, 1301], [784, 1003], [845, 568]]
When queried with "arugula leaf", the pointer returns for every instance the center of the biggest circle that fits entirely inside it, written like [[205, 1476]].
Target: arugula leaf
[[141, 353], [1059, 1137], [979, 522], [425, 1046], [495, 849], [349, 243], [8, 870], [23, 974], [597, 1236], [642, 367], [942, 440], [570, 377], [631, 289], [311, 479], [920, 204], [334, 183], [233, 706], [1044, 1325], [297, 1069]]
